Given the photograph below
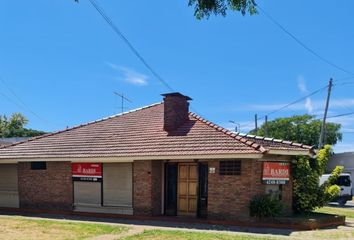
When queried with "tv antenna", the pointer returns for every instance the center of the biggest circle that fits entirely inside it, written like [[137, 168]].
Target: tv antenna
[[121, 95], [237, 126]]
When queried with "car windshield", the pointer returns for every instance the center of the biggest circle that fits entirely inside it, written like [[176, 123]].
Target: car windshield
[[343, 181]]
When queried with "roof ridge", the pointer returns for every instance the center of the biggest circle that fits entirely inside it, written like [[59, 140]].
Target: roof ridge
[[229, 133], [81, 125], [275, 140]]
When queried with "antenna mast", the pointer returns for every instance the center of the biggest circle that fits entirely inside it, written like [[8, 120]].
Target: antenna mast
[[121, 95]]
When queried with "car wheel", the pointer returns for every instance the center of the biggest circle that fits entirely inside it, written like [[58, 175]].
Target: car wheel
[[342, 203]]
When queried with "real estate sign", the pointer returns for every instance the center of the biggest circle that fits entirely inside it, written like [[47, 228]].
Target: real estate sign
[[91, 172], [275, 172]]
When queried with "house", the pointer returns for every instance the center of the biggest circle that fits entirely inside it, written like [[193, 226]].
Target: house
[[157, 160], [3, 143], [9, 141], [345, 159]]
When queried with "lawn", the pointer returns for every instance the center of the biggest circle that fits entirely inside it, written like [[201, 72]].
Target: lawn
[[348, 212], [185, 235], [21, 228]]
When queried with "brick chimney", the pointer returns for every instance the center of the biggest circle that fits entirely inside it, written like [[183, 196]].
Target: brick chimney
[[176, 110]]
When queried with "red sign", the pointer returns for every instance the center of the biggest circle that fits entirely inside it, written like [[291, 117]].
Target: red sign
[[275, 172], [86, 170]]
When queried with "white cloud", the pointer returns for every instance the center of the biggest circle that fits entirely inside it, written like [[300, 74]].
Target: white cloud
[[344, 147], [113, 66], [346, 121], [301, 84], [129, 75], [349, 102], [317, 105], [308, 105], [133, 77]]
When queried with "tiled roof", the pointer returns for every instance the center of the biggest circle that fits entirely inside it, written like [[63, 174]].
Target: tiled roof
[[9, 141], [139, 133], [277, 144], [2, 143]]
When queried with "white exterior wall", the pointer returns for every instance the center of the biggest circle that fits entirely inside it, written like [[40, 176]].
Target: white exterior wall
[[342, 159]]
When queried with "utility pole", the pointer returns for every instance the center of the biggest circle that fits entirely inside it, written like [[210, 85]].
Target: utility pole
[[123, 99], [266, 126], [255, 123], [323, 126]]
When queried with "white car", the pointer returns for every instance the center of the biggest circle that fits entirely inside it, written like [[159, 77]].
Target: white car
[[345, 183]]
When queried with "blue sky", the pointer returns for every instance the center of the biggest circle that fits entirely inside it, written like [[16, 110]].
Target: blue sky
[[64, 61]]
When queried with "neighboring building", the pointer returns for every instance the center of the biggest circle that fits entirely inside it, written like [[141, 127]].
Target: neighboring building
[[345, 159], [9, 141], [156, 160]]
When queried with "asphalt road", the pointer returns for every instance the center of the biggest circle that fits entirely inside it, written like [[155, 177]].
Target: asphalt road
[[349, 204]]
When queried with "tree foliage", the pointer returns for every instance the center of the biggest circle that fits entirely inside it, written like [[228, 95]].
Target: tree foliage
[[307, 193], [205, 8], [300, 128], [14, 126]]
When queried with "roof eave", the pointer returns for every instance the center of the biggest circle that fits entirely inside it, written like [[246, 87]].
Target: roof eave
[[133, 158], [292, 152]]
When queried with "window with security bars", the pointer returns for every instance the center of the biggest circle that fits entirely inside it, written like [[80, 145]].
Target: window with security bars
[[38, 165], [230, 167]]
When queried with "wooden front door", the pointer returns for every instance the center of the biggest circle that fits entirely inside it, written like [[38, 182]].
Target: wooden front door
[[187, 189]]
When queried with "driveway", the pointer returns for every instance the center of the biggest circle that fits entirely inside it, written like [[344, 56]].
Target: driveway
[[349, 204]]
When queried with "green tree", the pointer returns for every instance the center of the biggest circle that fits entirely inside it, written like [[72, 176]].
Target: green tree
[[300, 128], [307, 193], [14, 127], [204, 8]]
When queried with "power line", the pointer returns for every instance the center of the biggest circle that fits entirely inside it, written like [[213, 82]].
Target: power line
[[341, 115], [287, 105], [344, 83], [297, 101], [339, 83], [100, 10], [343, 79], [292, 103], [10, 100], [302, 43], [25, 106]]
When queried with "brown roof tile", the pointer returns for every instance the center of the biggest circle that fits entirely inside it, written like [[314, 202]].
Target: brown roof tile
[[140, 133], [278, 144]]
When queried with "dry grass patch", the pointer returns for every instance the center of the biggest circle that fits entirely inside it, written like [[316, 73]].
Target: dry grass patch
[[185, 235], [19, 228], [340, 233]]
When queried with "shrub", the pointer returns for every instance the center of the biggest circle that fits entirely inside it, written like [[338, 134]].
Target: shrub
[[307, 192], [265, 206]]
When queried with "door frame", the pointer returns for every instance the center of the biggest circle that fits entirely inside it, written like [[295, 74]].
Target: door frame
[[201, 211], [202, 207], [170, 189]]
